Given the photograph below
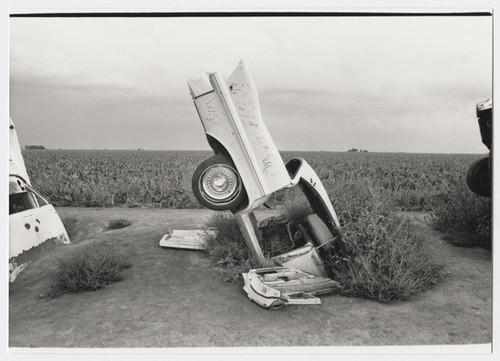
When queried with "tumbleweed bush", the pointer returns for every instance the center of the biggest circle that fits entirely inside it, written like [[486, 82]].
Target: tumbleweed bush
[[390, 261], [87, 267]]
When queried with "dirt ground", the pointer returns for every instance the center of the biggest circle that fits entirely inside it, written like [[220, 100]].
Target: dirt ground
[[176, 298]]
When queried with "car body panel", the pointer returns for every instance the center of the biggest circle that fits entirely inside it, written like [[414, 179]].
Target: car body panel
[[32, 220], [186, 239], [230, 113], [32, 227], [484, 112], [275, 287], [16, 161]]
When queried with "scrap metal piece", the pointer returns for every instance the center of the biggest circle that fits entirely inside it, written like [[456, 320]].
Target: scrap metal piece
[[33, 221], [275, 287], [305, 258], [186, 239]]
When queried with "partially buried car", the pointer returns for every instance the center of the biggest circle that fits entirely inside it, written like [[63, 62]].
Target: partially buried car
[[479, 173]]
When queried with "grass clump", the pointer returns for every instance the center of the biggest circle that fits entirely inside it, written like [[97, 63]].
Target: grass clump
[[70, 224], [389, 260], [118, 224], [86, 268], [228, 249], [464, 217]]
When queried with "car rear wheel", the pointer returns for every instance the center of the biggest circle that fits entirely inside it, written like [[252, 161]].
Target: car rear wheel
[[479, 177], [217, 184]]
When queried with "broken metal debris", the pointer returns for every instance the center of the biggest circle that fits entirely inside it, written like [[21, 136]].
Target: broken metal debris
[[186, 239], [278, 286]]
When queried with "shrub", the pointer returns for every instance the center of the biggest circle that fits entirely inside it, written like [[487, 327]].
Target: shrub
[[70, 224], [390, 261], [464, 217], [86, 268], [118, 224], [227, 248]]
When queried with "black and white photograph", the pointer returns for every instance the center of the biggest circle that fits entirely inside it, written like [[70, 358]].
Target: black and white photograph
[[250, 179]]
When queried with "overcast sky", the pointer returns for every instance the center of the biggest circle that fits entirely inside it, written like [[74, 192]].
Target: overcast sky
[[398, 84]]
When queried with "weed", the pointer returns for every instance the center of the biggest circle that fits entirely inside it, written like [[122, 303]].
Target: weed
[[118, 224], [87, 267], [390, 261], [70, 226], [465, 218], [227, 247]]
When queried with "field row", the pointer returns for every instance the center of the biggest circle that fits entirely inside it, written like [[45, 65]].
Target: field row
[[101, 178]]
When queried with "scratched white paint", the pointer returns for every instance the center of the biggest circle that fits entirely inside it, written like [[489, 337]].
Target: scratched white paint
[[34, 226], [16, 161], [217, 124], [29, 228], [246, 101], [231, 114], [309, 175]]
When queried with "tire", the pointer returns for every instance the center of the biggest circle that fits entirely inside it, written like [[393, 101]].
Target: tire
[[217, 184], [479, 177]]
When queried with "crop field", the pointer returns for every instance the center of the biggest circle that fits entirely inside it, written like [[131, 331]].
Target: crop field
[[390, 257], [369, 191], [108, 178]]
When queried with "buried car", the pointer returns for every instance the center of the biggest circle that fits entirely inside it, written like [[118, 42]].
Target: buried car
[[247, 169], [33, 221], [479, 173]]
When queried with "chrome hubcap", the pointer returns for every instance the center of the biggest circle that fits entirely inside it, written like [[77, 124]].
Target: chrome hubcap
[[220, 183]]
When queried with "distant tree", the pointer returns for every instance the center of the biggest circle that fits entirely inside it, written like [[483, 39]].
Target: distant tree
[[34, 147], [353, 150]]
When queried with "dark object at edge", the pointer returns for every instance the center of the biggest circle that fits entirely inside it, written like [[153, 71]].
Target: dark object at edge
[[479, 173]]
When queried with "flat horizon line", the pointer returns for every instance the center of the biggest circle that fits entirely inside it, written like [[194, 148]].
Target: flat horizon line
[[209, 150]]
